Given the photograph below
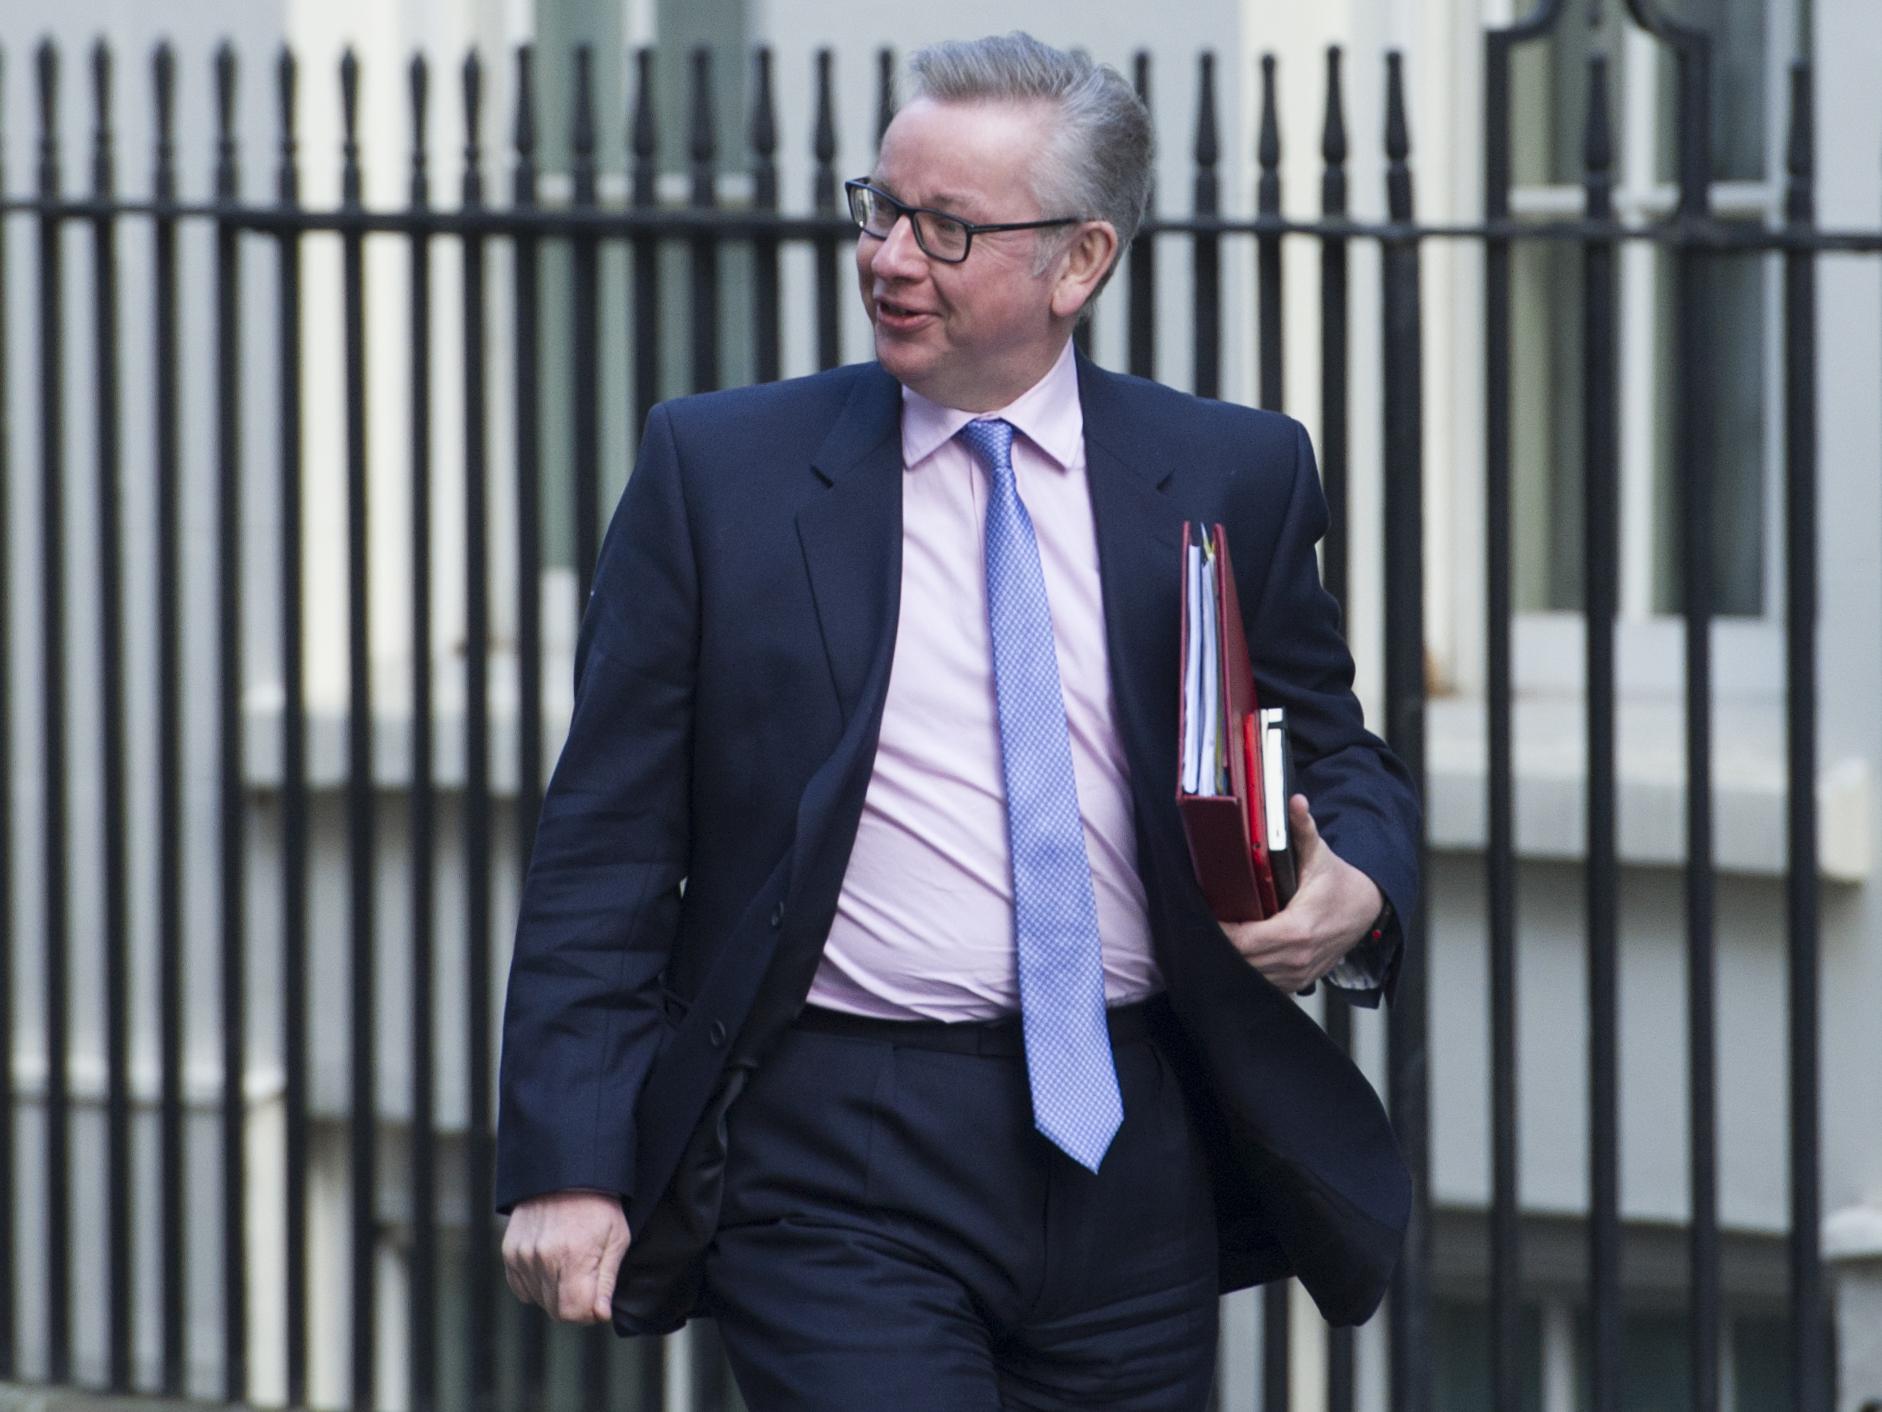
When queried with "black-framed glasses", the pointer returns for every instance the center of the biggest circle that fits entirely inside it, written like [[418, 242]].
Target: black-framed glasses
[[940, 236]]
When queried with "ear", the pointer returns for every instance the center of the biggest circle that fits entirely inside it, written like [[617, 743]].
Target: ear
[[1082, 267]]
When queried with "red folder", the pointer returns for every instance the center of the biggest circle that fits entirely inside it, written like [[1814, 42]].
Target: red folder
[[1226, 830]]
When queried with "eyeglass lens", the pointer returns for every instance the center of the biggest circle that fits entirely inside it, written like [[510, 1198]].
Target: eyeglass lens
[[939, 236]]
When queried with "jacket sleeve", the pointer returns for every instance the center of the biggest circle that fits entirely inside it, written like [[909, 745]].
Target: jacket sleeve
[[1362, 796], [600, 905]]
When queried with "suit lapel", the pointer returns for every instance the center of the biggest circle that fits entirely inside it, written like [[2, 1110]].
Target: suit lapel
[[852, 536], [1140, 537]]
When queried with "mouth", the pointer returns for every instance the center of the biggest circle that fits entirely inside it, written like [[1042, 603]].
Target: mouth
[[898, 317]]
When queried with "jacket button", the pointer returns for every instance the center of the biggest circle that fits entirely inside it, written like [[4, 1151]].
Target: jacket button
[[717, 1034], [777, 916]]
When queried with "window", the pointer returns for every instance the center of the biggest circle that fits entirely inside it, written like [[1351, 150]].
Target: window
[[611, 28], [1751, 42], [1554, 1358]]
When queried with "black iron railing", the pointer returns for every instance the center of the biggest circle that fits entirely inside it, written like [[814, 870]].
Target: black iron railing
[[478, 820]]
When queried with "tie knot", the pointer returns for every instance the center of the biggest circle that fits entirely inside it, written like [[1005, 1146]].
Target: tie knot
[[991, 440]]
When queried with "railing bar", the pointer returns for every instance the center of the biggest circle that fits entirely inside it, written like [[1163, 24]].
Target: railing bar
[[597, 1349], [1500, 855], [294, 827], [1276, 1365], [51, 279], [294, 800], [533, 1362], [9, 1153], [703, 252], [479, 1148], [585, 341], [1812, 1378], [1693, 471], [1704, 233], [1409, 1352], [421, 1307], [645, 250], [361, 821], [119, 1266], [232, 858], [170, 851], [1334, 373], [1206, 246], [765, 316], [826, 248], [1268, 268], [1142, 310], [1601, 555]]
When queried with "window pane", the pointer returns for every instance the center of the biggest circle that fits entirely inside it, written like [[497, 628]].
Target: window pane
[[1761, 1352], [1461, 1332], [1549, 102], [1655, 1362], [1546, 441], [1740, 34], [681, 26]]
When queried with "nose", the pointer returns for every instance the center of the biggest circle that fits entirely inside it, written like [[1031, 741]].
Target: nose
[[897, 253]]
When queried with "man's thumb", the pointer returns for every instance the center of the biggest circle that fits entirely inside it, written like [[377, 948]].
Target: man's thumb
[[608, 1271]]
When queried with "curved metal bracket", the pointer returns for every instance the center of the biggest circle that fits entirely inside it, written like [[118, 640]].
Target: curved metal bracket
[[1648, 16], [1535, 25]]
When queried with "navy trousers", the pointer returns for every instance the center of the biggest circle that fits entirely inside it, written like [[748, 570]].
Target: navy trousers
[[896, 1236]]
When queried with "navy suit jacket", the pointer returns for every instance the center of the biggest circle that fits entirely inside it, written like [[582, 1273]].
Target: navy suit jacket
[[730, 676]]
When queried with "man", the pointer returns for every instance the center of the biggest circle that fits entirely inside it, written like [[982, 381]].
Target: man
[[935, 1082]]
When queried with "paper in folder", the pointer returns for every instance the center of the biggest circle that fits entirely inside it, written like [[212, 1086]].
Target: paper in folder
[[1235, 774]]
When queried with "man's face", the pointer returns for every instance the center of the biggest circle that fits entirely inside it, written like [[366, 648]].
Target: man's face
[[972, 335]]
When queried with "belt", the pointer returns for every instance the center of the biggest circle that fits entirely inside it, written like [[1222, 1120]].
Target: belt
[[1002, 1037]]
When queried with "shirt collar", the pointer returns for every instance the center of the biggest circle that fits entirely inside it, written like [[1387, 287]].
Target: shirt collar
[[1047, 414]]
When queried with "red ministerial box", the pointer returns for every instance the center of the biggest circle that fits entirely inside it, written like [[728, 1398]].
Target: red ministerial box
[[1225, 830]]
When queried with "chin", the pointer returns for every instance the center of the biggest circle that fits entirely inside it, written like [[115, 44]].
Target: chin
[[905, 364]]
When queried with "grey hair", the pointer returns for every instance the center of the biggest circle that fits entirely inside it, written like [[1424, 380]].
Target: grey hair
[[1097, 162]]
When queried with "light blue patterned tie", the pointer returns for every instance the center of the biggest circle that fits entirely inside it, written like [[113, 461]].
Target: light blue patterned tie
[[1075, 1100]]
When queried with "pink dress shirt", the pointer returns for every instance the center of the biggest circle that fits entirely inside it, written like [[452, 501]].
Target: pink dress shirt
[[924, 923]]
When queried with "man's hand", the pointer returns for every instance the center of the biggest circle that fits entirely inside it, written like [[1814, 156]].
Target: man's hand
[[1330, 911], [563, 1250]]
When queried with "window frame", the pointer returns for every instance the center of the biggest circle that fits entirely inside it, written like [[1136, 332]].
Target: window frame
[[1548, 645]]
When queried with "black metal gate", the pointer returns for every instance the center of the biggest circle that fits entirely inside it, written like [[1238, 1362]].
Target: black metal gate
[[138, 848]]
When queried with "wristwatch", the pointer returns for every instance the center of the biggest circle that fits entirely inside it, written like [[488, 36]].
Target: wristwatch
[[1382, 923]]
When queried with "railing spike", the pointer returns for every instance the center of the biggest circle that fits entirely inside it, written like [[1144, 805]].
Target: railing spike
[[582, 116], [419, 79], [1208, 147], [1598, 137], [163, 83], [764, 118], [47, 64], [642, 136], [704, 137], [287, 82], [101, 106], [1800, 151], [350, 181], [1268, 144], [473, 93], [226, 179], [885, 90], [823, 138], [1333, 136], [1397, 139], [763, 134], [1333, 140], [524, 132]]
